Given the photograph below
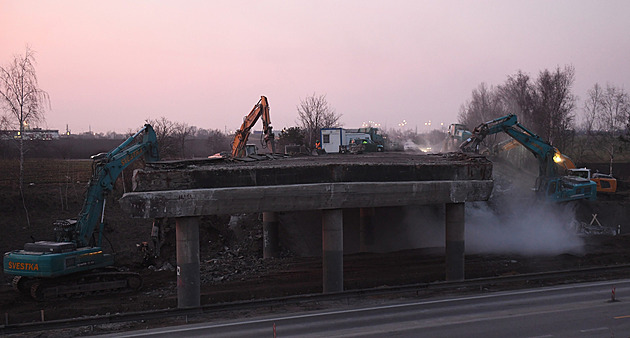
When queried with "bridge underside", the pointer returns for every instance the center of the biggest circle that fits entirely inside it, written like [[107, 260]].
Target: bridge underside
[[186, 190]]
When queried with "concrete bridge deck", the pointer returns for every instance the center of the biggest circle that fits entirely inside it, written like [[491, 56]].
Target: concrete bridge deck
[[186, 190], [329, 168]]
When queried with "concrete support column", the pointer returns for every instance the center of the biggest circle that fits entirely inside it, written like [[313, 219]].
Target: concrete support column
[[270, 235], [188, 280], [332, 250], [455, 241], [366, 229]]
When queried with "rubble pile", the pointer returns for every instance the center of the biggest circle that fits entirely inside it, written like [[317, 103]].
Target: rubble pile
[[229, 265], [231, 249]]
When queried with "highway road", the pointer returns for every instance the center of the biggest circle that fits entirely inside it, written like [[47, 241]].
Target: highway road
[[572, 310]]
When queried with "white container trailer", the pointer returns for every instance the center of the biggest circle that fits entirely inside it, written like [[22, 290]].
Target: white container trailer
[[332, 138]]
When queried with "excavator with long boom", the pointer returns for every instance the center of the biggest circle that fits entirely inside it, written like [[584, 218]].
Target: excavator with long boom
[[605, 183], [74, 263], [551, 181], [260, 110]]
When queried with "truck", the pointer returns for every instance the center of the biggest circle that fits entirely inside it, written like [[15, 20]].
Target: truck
[[75, 263], [457, 133], [375, 135], [337, 140], [552, 183], [363, 145]]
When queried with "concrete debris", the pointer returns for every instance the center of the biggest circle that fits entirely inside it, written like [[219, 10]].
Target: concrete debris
[[165, 267]]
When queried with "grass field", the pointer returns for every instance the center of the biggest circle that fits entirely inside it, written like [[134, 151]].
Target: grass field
[[49, 171], [55, 189]]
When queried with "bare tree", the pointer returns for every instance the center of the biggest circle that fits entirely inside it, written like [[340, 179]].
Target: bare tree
[[218, 141], [181, 132], [592, 107], [164, 130], [545, 106], [22, 101], [615, 108], [517, 96], [607, 112], [485, 105], [21, 98], [554, 105], [586, 130], [176, 138], [5, 124], [315, 113]]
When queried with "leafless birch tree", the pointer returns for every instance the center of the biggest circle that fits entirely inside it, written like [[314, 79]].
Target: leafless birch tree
[[22, 101]]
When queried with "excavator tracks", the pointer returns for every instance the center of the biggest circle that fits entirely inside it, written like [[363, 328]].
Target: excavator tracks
[[81, 286], [21, 284]]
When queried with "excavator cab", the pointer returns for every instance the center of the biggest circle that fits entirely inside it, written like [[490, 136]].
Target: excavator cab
[[567, 188]]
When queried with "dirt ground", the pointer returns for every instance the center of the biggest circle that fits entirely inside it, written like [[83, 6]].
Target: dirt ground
[[231, 251]]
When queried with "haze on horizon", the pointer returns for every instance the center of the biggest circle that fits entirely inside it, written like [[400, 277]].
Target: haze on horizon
[[109, 66]]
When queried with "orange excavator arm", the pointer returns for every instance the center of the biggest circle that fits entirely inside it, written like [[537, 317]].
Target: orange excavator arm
[[260, 110]]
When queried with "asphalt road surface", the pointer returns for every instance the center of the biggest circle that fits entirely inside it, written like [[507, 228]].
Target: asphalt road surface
[[573, 310]]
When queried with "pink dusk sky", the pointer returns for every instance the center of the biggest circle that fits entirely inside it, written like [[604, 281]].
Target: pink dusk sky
[[110, 65]]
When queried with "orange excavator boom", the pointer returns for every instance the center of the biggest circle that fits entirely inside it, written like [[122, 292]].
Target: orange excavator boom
[[260, 110]]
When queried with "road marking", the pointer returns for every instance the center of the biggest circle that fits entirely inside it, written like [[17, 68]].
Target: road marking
[[373, 308], [595, 329], [622, 317]]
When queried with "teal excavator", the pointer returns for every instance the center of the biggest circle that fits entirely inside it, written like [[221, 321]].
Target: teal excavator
[[75, 263], [552, 182]]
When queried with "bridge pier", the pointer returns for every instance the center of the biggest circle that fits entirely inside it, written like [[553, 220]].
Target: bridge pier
[[455, 244], [271, 247], [366, 229], [188, 273], [332, 250]]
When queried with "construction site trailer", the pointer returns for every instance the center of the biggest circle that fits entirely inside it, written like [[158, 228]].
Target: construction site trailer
[[332, 138]]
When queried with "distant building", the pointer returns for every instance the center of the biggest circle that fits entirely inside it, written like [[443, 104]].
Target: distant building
[[30, 134]]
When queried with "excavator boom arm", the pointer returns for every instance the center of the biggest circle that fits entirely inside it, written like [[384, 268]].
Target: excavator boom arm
[[105, 171], [260, 110], [550, 182], [508, 124]]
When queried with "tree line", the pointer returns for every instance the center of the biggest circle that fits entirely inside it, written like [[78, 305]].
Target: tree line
[[546, 105]]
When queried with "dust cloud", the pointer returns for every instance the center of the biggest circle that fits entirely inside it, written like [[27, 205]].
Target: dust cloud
[[522, 226], [411, 146], [409, 227], [516, 221], [505, 225]]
